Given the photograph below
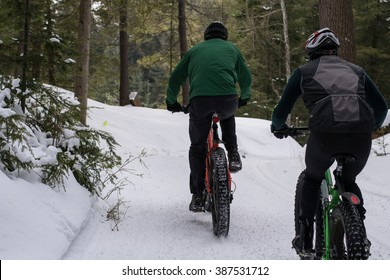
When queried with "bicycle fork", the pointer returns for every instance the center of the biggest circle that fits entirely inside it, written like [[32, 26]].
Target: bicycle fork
[[213, 141]]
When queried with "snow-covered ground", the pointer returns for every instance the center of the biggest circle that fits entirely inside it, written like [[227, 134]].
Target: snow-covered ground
[[40, 223]]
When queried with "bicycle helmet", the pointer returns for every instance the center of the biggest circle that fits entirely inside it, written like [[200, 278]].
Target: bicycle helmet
[[216, 30], [322, 41]]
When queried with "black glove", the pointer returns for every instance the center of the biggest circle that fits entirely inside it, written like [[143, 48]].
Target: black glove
[[242, 102], [176, 107], [281, 133], [186, 109]]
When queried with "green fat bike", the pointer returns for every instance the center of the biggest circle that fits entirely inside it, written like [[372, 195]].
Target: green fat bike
[[338, 229]]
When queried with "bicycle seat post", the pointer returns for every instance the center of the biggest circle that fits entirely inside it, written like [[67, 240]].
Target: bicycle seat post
[[339, 168], [215, 127], [338, 173]]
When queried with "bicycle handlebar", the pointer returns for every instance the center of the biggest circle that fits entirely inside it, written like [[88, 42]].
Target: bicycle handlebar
[[298, 131], [293, 131], [184, 109]]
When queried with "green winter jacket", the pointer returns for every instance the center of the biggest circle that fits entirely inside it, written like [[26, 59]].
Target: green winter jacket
[[213, 68]]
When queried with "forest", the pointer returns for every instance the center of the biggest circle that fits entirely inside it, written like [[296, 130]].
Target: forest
[[58, 56], [134, 45]]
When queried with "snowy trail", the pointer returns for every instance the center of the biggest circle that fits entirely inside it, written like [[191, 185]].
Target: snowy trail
[[158, 224], [376, 200], [161, 227]]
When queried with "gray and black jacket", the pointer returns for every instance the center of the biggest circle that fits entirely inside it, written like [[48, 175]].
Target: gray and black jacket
[[339, 95]]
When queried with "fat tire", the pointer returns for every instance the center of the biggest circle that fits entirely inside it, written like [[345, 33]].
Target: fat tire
[[297, 202], [220, 192], [319, 244], [348, 237]]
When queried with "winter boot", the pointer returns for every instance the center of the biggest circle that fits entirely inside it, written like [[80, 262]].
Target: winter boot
[[303, 243], [235, 163], [197, 203]]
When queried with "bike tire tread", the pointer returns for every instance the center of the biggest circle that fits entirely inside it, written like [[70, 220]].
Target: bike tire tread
[[354, 232], [221, 192]]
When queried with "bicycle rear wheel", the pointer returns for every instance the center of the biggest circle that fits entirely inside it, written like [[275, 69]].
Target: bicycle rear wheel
[[220, 192], [319, 232], [297, 203], [348, 237]]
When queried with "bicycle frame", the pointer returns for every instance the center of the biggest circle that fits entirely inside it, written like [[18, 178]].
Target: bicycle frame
[[338, 224], [212, 144], [217, 196], [327, 190], [331, 198]]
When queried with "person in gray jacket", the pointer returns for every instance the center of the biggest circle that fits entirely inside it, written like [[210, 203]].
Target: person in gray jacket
[[345, 108]]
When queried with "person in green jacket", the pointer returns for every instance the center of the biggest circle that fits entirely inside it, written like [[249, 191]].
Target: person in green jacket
[[345, 108], [213, 69]]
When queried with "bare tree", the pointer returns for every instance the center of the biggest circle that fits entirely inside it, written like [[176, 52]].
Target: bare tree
[[286, 40], [171, 38], [286, 46], [183, 46], [25, 35], [338, 16], [49, 46], [124, 52], [84, 33]]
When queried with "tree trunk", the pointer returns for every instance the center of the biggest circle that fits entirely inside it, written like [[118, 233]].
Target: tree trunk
[[338, 16], [124, 53], [286, 47], [24, 69], [171, 38], [49, 46], [183, 46], [81, 83], [286, 40]]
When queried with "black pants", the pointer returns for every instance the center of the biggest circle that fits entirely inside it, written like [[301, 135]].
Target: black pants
[[320, 148], [201, 111]]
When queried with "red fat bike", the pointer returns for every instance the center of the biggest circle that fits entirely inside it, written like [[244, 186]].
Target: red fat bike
[[218, 182]]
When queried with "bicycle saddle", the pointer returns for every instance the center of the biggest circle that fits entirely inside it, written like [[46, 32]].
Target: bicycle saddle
[[343, 158]]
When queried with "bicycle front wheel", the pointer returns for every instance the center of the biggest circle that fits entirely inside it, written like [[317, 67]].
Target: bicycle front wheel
[[220, 192], [348, 237]]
